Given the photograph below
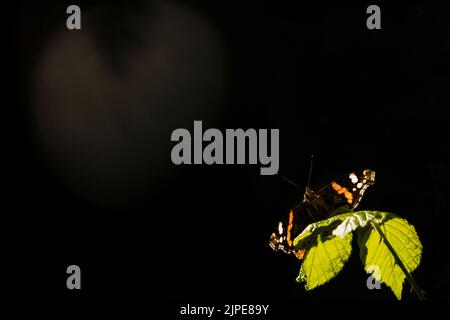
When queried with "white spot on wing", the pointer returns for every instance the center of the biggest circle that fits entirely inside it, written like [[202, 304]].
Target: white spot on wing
[[353, 177], [280, 228]]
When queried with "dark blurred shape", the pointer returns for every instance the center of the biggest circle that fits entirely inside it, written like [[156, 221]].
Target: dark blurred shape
[[107, 101]]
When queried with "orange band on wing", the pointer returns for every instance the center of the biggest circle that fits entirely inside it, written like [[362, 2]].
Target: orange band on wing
[[341, 190], [289, 228]]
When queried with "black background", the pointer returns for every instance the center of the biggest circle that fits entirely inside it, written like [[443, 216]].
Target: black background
[[352, 97]]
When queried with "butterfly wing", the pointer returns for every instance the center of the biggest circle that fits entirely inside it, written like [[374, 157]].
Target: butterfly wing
[[310, 210], [347, 191]]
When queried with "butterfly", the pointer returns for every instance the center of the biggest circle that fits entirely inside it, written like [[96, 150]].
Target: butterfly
[[343, 194]]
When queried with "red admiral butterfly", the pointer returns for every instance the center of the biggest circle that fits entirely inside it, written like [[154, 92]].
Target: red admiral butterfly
[[344, 193]]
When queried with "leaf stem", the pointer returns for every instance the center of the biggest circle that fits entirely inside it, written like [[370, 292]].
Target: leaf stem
[[409, 277]]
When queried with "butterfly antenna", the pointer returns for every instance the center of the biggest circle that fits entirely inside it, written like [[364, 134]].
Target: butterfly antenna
[[310, 169], [289, 181]]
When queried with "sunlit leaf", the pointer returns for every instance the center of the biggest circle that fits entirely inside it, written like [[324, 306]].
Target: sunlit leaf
[[389, 248], [324, 260], [381, 261]]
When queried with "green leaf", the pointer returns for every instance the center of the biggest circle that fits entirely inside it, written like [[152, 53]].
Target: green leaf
[[356, 220], [389, 248], [324, 260], [311, 232], [326, 254], [390, 251]]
